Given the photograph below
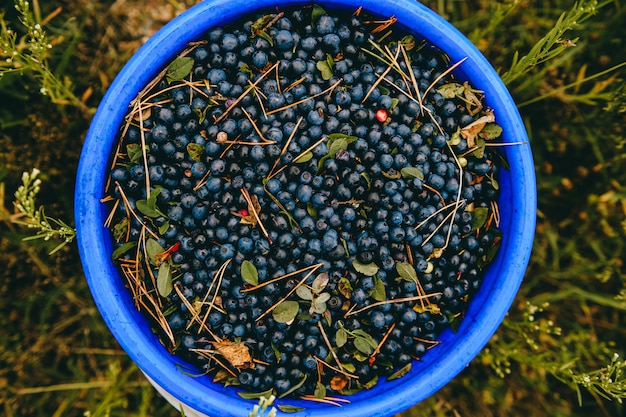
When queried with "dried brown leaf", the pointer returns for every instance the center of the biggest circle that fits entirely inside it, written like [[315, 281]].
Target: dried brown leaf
[[237, 354], [472, 130]]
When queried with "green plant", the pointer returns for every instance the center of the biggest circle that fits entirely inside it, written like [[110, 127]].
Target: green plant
[[35, 218], [27, 53]]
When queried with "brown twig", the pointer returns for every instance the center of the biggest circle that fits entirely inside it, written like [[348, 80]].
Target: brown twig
[[395, 300], [251, 208], [269, 310]]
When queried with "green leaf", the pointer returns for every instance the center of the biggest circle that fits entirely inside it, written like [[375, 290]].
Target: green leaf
[[490, 131], [256, 395], [302, 158], [369, 384], [350, 391], [362, 346], [334, 136], [277, 352], [164, 280], [341, 337], [245, 68], [320, 390], [406, 271], [164, 227], [349, 367], [330, 61], [293, 388], [120, 229], [319, 307], [147, 209], [289, 408], [286, 311], [117, 253], [344, 243], [179, 69], [479, 217], [378, 293], [153, 249], [412, 172], [260, 23], [408, 42], [494, 182], [367, 179], [479, 152], [323, 297], [455, 138], [266, 36], [394, 103], [304, 292], [325, 69], [195, 151], [490, 255], [320, 282], [369, 269], [135, 154], [317, 12], [362, 334], [249, 273], [344, 287], [400, 372], [451, 90], [337, 145], [454, 321]]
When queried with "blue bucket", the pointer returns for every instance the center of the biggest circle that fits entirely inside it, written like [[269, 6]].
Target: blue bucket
[[199, 396]]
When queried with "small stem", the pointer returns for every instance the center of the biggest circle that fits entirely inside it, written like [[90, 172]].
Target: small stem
[[210, 354], [443, 74], [280, 278], [324, 400], [269, 310], [251, 208], [256, 128], [332, 87], [144, 150], [309, 149], [330, 347], [282, 152], [341, 371], [127, 204], [245, 93], [395, 300], [376, 351], [382, 76], [218, 277]]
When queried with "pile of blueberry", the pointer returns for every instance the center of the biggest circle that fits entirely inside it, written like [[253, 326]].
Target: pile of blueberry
[[304, 201]]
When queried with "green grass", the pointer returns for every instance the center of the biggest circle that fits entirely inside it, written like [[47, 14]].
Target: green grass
[[552, 356]]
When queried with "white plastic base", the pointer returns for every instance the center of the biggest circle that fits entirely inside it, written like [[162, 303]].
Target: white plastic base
[[188, 411]]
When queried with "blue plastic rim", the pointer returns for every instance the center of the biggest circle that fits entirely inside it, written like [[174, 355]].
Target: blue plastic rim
[[502, 279]]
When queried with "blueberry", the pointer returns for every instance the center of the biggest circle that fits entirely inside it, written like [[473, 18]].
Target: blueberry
[[230, 42], [359, 296], [260, 59], [331, 43], [325, 25], [377, 319], [284, 40]]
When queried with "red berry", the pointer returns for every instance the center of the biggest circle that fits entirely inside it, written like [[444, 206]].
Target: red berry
[[243, 212], [381, 115]]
